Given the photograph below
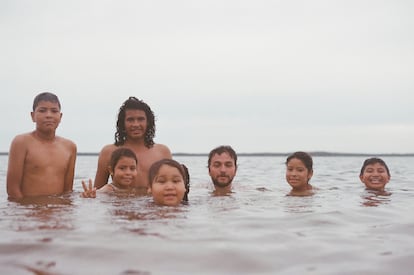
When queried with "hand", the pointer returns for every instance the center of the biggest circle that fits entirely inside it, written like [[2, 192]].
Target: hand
[[89, 191]]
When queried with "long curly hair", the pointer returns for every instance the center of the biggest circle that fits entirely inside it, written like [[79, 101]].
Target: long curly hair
[[135, 104]]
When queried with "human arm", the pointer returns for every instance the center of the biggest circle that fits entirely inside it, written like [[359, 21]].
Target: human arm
[[70, 173], [17, 155], [102, 172]]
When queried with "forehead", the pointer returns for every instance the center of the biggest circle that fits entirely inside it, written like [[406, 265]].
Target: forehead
[[223, 157], [47, 104], [295, 162], [134, 113], [126, 161], [168, 170], [375, 165]]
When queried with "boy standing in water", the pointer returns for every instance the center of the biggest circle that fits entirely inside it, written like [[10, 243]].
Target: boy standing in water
[[222, 167], [41, 163], [135, 129], [375, 174]]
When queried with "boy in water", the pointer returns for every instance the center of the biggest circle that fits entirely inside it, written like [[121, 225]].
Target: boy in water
[[375, 174], [41, 163], [135, 129]]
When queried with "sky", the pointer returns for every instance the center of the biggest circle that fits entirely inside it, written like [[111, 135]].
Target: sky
[[261, 76]]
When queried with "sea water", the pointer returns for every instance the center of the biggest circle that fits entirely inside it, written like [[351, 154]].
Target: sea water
[[258, 229]]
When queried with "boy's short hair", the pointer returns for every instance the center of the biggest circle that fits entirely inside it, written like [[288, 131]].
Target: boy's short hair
[[373, 161], [45, 97]]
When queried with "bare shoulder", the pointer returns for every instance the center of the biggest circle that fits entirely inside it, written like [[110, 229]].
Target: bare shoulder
[[67, 143], [22, 138], [162, 150], [108, 149]]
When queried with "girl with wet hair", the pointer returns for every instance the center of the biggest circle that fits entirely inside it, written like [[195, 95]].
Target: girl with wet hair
[[123, 171], [169, 182]]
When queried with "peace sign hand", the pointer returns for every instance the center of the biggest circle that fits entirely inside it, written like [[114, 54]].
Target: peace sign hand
[[89, 191]]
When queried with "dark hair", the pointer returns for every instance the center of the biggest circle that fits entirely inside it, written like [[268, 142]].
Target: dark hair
[[220, 150], [304, 157], [119, 153], [155, 167], [373, 161], [45, 97], [135, 104]]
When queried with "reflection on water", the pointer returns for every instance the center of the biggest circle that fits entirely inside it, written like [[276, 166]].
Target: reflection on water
[[373, 198], [40, 213]]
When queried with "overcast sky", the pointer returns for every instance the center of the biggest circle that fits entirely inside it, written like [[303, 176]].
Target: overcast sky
[[262, 76]]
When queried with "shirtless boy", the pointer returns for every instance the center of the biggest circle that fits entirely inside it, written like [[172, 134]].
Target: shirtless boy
[[41, 163], [135, 129]]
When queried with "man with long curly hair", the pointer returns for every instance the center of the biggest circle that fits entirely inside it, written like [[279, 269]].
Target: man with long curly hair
[[135, 129]]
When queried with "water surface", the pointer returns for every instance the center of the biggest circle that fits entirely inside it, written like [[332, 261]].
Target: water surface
[[342, 229]]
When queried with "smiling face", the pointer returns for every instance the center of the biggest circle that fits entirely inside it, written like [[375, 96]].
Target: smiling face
[[168, 187], [135, 123], [297, 175], [124, 172], [375, 176]]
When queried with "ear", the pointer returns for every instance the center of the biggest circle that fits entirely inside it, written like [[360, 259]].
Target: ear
[[361, 177], [149, 191], [32, 115]]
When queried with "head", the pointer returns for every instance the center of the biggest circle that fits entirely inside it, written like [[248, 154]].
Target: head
[[169, 182], [375, 174], [46, 112], [123, 167], [299, 170], [132, 103], [222, 166], [49, 97]]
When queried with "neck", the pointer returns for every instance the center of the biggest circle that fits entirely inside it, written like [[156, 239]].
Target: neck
[[118, 186], [44, 136]]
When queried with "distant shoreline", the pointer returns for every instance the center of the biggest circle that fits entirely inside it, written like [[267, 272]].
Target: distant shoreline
[[314, 154]]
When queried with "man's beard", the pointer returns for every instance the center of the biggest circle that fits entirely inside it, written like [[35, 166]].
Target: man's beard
[[222, 184]]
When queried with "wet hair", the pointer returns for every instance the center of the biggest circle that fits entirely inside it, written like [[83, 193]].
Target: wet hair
[[220, 150], [119, 153], [133, 103], [373, 161], [155, 167], [45, 97], [304, 157]]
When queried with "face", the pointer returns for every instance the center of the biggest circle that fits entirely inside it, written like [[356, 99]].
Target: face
[[222, 170], [375, 176], [47, 116], [168, 186], [125, 172], [135, 123], [297, 175]]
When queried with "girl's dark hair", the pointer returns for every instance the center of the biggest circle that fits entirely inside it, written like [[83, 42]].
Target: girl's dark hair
[[155, 167], [304, 157], [45, 97], [119, 153], [373, 161], [135, 104]]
